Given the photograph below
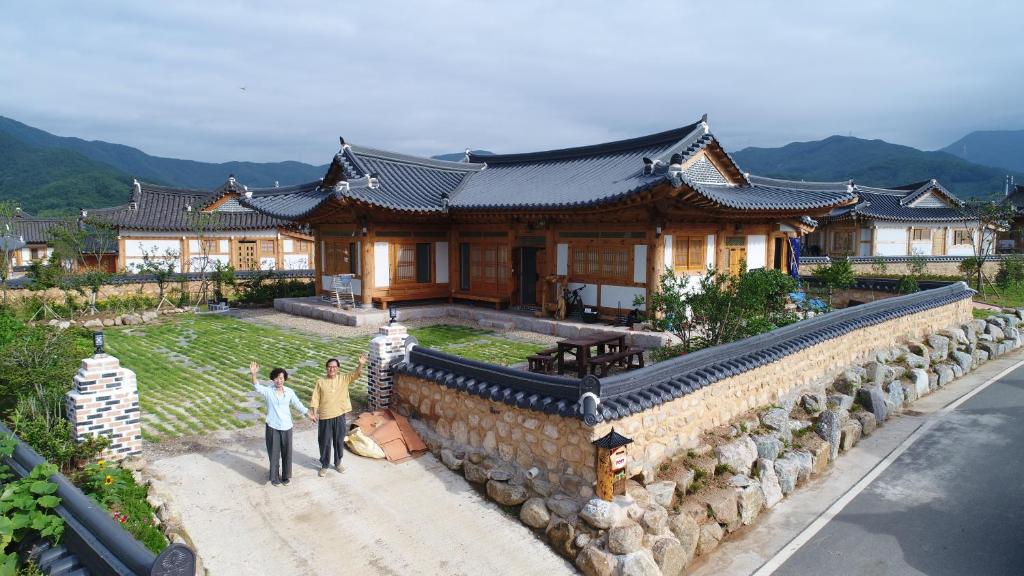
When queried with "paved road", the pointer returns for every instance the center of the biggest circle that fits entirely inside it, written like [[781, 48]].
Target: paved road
[[413, 518], [952, 503]]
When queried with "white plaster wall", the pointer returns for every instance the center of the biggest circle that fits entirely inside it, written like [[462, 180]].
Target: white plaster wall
[[612, 296], [711, 250], [133, 264], [922, 248], [562, 259], [640, 264], [891, 241], [296, 262], [196, 262], [268, 263], [209, 234], [289, 244], [381, 264], [589, 294], [441, 262], [135, 248], [667, 262], [757, 254]]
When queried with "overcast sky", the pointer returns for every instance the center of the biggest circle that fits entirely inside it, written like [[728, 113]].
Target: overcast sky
[[265, 81]]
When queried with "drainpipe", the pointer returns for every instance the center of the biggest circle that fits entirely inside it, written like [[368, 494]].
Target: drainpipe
[[590, 399]]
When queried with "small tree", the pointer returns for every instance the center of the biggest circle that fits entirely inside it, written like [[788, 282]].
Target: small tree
[[836, 276], [879, 266], [200, 224], [917, 264], [162, 268], [7, 211], [985, 219], [223, 275]]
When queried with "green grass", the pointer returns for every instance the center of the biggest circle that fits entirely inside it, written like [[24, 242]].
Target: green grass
[[1009, 297], [192, 370]]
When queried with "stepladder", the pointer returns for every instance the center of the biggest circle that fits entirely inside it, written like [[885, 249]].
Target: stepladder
[[341, 293]]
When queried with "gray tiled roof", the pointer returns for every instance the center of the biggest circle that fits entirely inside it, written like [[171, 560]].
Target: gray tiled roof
[[36, 230], [553, 179], [893, 204], [1016, 198], [165, 209]]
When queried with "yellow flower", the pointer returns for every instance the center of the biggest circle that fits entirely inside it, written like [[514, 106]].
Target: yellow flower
[[108, 480], [102, 463]]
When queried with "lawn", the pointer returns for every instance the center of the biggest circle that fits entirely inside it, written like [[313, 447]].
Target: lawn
[[193, 370]]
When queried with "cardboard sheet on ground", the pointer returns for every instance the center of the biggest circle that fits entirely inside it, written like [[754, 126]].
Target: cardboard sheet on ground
[[392, 433]]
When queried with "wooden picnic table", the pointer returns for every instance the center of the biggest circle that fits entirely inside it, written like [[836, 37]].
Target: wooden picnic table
[[579, 348]]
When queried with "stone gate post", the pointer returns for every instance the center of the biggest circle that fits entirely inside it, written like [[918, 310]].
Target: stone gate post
[[385, 347], [105, 402]]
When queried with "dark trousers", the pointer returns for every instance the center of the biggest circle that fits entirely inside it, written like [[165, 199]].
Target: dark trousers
[[279, 447], [330, 431]]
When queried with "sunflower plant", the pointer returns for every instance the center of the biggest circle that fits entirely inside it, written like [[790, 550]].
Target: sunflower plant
[[115, 489]]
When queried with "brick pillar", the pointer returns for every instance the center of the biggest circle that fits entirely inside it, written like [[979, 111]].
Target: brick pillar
[[105, 401], [385, 347]]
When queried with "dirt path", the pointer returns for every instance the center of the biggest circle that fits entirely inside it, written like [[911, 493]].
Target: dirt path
[[376, 518]]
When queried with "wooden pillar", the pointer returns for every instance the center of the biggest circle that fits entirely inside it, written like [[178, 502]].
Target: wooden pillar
[[279, 252], [366, 289], [122, 258], [655, 261], [316, 256], [185, 254], [605, 476], [233, 255]]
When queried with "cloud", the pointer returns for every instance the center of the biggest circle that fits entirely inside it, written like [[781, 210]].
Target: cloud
[[426, 78]]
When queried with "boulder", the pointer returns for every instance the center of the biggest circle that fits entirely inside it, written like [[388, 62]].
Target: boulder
[[108, 322], [939, 346], [841, 401], [710, 535], [740, 454], [919, 378], [501, 473], [739, 481], [561, 535], [829, 427], [813, 403], [915, 361], [661, 493], [721, 504], [475, 473], [639, 563], [769, 483], [94, 323], [687, 531], [132, 319], [895, 396], [534, 513], [778, 419], [150, 316], [593, 561], [805, 461], [562, 505], [873, 399], [787, 469], [848, 382], [625, 538], [683, 477], [654, 520], [995, 320], [820, 451], [751, 502], [768, 445], [798, 425], [945, 374], [450, 459], [995, 332], [507, 494], [878, 373], [851, 435], [956, 335], [601, 514], [638, 493], [669, 556], [867, 422]]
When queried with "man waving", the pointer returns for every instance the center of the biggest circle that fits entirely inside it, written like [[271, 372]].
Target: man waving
[[330, 403]]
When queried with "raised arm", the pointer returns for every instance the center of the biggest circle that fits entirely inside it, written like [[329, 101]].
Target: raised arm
[[254, 370], [355, 374]]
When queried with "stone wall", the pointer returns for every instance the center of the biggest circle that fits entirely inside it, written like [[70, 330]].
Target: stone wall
[[900, 268]]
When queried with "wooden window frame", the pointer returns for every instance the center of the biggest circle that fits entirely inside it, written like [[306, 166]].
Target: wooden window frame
[[594, 270], [397, 248], [850, 235], [958, 232], [683, 243], [914, 233]]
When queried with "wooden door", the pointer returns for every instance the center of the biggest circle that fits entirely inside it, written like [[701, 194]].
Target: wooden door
[[542, 266], [939, 242], [247, 255], [736, 251], [489, 269]]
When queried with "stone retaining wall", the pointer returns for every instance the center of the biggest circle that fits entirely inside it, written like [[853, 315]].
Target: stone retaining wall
[[903, 268]]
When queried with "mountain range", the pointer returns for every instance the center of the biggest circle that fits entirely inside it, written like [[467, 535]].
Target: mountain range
[[47, 174]]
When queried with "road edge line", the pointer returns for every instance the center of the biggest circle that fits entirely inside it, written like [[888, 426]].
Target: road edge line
[[776, 561]]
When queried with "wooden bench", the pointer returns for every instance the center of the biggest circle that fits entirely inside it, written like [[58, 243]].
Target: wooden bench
[[624, 358], [541, 363], [498, 301]]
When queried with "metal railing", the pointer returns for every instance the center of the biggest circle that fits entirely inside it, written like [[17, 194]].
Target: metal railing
[[92, 539]]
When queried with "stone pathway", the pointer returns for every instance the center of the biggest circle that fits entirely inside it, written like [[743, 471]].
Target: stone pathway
[[376, 518]]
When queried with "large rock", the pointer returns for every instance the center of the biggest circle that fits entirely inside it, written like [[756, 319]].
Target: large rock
[[654, 520], [787, 469], [829, 427], [945, 374], [956, 335], [851, 435], [768, 445], [919, 378], [873, 399], [150, 316], [450, 459], [813, 403], [848, 382], [593, 561], [841, 401], [687, 531], [915, 361], [669, 556], [475, 473], [867, 422], [939, 347], [710, 535], [751, 501], [776, 419], [879, 373], [894, 392], [769, 483], [601, 514], [721, 504], [94, 323], [562, 505], [683, 477], [740, 454], [805, 460], [507, 494], [637, 492], [625, 538], [639, 563], [534, 513], [561, 535], [132, 319], [820, 451], [661, 493], [995, 332]]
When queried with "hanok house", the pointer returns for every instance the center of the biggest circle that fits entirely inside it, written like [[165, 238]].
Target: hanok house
[[609, 217], [916, 219], [39, 235], [162, 221], [1012, 240]]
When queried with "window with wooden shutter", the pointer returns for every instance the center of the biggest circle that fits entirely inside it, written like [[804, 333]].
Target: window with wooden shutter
[[689, 253], [609, 264], [405, 263], [921, 234], [267, 246], [963, 237]]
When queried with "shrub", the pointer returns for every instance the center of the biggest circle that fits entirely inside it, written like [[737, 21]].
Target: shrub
[[1011, 272], [666, 352], [969, 267], [907, 285], [44, 428], [836, 276], [115, 489], [878, 265], [917, 265], [26, 509], [40, 362]]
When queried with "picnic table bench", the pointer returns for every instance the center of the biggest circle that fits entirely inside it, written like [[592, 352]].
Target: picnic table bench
[[630, 359]]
